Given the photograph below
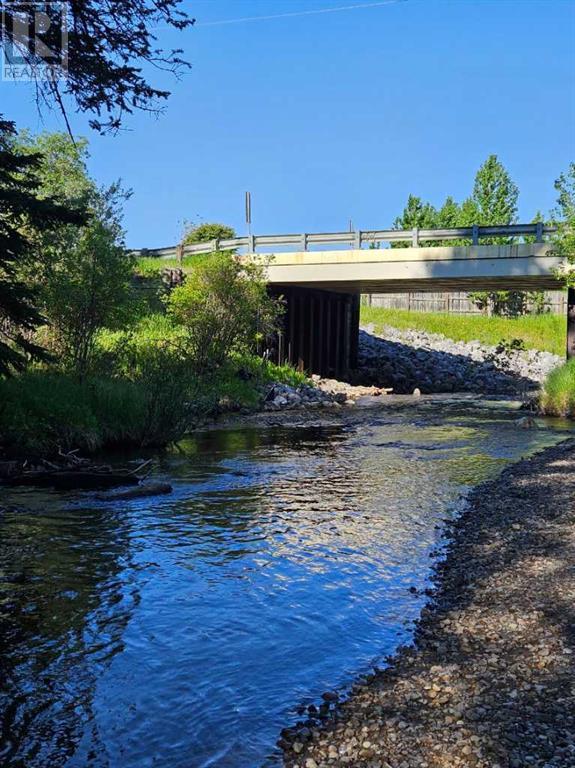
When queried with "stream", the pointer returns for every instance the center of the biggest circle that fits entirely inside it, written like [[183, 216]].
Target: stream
[[184, 631]]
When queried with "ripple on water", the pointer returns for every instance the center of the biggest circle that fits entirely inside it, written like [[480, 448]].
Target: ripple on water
[[184, 631]]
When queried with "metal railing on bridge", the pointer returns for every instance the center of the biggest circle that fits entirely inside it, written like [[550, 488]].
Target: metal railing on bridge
[[356, 240]]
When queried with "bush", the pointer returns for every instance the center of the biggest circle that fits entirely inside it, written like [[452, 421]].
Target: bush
[[204, 233], [225, 308], [558, 394]]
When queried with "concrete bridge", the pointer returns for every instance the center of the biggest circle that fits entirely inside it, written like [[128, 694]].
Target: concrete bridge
[[322, 287]]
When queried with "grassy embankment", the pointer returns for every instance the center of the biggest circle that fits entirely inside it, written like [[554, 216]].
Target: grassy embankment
[[177, 357], [544, 332], [42, 412], [137, 394], [149, 266]]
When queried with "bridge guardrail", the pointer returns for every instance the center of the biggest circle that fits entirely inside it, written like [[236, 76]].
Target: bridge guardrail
[[356, 239]]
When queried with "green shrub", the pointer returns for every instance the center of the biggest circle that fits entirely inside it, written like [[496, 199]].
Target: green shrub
[[204, 233], [558, 394], [225, 308]]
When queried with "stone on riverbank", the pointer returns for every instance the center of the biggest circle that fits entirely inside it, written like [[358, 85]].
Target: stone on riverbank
[[433, 363], [322, 393], [489, 680]]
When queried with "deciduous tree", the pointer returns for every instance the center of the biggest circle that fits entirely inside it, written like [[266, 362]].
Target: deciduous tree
[[495, 194], [82, 274], [23, 212], [564, 217]]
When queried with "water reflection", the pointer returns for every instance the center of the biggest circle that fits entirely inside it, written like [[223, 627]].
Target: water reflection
[[183, 631], [64, 604]]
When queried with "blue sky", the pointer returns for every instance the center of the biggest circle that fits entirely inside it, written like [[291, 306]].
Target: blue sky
[[337, 116]]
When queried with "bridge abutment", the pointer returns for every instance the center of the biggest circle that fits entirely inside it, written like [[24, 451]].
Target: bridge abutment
[[320, 330]]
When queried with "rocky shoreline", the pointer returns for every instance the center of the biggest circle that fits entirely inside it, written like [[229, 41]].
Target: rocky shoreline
[[489, 679], [414, 363], [433, 363]]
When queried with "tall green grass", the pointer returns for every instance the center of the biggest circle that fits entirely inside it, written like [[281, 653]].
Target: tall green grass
[[544, 332], [43, 412], [557, 396], [140, 393]]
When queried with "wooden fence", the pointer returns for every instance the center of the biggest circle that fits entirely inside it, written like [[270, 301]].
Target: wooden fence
[[456, 303]]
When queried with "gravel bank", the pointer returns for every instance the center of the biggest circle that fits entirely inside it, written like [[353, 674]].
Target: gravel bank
[[408, 359], [490, 680]]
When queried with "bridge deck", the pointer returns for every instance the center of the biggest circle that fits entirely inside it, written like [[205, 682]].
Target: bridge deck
[[523, 266]]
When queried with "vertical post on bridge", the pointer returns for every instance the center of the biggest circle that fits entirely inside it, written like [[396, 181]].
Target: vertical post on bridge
[[570, 322]]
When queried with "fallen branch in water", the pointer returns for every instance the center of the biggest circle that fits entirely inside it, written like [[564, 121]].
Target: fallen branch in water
[[70, 473]]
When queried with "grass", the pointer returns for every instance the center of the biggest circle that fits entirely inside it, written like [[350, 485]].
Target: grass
[[558, 393], [140, 393], [151, 266], [42, 412], [544, 332]]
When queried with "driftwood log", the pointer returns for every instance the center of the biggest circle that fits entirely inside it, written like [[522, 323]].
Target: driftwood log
[[66, 480]]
